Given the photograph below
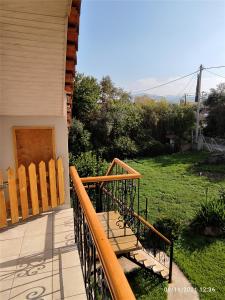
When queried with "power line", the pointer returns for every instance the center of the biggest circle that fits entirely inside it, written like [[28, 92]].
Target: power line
[[187, 85], [215, 74], [171, 81], [214, 67]]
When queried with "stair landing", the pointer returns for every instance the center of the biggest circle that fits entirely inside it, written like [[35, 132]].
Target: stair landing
[[122, 240]]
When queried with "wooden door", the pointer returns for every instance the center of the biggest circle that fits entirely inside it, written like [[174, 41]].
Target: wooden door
[[33, 145]]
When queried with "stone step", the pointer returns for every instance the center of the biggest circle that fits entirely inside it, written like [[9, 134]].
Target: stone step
[[165, 273], [158, 269], [138, 256]]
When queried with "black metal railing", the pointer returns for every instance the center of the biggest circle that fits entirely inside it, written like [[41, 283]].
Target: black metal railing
[[94, 277], [118, 191], [103, 276]]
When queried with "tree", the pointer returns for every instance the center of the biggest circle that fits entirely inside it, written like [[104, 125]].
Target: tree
[[110, 92], [216, 111], [79, 138], [216, 96], [108, 89], [86, 96]]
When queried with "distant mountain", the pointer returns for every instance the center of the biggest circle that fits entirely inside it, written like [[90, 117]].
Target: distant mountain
[[169, 98]]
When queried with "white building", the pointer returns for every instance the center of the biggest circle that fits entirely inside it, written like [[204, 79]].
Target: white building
[[38, 44]]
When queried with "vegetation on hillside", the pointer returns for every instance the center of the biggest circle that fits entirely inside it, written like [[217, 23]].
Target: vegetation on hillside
[[216, 106], [108, 122]]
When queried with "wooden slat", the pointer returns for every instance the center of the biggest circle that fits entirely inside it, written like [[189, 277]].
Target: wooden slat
[[3, 213], [13, 196], [52, 180], [33, 189], [23, 191], [43, 186], [61, 181]]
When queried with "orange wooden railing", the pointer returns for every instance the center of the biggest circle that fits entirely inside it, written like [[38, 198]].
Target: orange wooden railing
[[117, 282], [128, 173], [28, 192]]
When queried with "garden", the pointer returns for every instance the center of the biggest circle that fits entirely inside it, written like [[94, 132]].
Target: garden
[[184, 192], [177, 186]]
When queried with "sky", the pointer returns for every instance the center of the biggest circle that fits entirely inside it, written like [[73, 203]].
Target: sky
[[140, 44]]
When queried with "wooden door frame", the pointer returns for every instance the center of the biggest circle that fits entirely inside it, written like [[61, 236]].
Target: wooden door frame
[[14, 128]]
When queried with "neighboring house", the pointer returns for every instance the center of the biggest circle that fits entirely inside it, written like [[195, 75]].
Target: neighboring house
[[38, 45]]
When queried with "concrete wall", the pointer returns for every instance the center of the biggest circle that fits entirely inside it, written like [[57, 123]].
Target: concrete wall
[[61, 141]]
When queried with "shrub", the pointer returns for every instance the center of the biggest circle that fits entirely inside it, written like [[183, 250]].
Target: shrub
[[170, 228], [87, 164], [123, 147], [210, 218]]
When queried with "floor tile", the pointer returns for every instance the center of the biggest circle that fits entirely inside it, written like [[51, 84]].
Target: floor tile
[[64, 227], [77, 297], [63, 239], [37, 243], [70, 282], [5, 288], [10, 247], [8, 267], [39, 226], [33, 264], [35, 286], [66, 257], [13, 232]]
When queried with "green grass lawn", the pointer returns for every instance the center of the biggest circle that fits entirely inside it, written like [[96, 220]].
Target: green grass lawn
[[175, 185], [147, 286]]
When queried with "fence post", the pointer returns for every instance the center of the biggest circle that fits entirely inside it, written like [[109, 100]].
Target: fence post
[[13, 196], [3, 215], [33, 188], [23, 191], [52, 180], [43, 186]]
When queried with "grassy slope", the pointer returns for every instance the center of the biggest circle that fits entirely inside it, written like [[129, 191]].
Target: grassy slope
[[147, 286], [174, 188]]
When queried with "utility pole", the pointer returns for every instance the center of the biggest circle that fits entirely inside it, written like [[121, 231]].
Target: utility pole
[[185, 99], [198, 100]]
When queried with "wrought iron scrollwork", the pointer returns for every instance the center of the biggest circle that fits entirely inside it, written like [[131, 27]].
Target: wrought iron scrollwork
[[94, 278]]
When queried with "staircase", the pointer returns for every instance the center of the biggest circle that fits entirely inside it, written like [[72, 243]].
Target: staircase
[[108, 226], [125, 243]]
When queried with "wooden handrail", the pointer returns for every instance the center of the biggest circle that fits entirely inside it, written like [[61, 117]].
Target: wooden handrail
[[150, 226], [118, 284], [126, 167], [109, 178], [110, 167]]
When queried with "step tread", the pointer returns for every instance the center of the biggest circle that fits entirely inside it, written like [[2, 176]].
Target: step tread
[[139, 257], [158, 268], [165, 273]]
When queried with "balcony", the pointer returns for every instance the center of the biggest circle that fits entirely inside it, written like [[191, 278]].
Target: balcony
[[75, 253]]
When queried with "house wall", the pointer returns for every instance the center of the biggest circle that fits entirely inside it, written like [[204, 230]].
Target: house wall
[[33, 43], [61, 141]]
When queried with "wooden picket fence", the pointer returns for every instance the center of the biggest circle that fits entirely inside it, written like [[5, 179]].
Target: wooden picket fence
[[31, 191]]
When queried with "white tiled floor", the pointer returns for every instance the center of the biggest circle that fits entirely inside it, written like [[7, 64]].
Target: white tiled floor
[[39, 259]]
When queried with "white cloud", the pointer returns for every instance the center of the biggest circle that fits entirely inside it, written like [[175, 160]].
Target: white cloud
[[180, 87]]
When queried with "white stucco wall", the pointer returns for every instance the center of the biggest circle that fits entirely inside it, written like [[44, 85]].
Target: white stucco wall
[[61, 141]]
